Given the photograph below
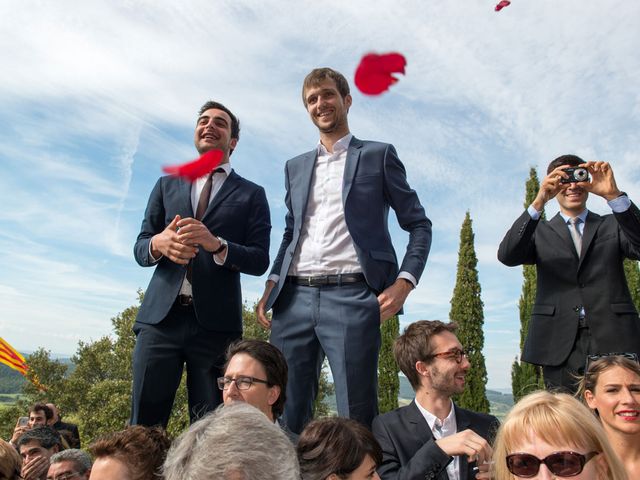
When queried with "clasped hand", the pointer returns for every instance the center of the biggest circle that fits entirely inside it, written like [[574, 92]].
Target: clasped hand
[[181, 239]]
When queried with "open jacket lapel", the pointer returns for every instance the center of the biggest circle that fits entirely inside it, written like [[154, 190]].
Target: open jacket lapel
[[351, 165]]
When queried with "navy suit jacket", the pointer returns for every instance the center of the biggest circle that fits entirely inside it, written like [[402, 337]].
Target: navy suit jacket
[[566, 282], [374, 180], [239, 213], [409, 450]]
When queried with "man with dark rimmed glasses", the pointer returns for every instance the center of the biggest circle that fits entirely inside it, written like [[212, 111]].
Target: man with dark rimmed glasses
[[432, 437], [256, 373]]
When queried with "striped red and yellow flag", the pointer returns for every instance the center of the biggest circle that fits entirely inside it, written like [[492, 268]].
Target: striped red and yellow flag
[[12, 358]]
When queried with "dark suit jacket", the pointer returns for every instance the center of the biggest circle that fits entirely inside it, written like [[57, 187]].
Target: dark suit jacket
[[409, 451], [374, 180], [565, 282], [73, 433], [239, 213]]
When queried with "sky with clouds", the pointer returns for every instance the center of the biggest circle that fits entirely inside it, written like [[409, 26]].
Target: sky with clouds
[[97, 96]]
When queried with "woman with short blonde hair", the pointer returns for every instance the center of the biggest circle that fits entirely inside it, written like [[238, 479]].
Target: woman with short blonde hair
[[554, 433]]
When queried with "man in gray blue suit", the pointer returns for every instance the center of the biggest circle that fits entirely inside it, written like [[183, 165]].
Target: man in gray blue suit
[[336, 275], [199, 236]]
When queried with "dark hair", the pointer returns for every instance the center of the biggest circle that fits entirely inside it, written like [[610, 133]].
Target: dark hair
[[273, 362], [46, 437], [590, 379], [141, 449], [36, 407], [319, 75], [235, 123], [335, 445], [571, 160], [414, 345]]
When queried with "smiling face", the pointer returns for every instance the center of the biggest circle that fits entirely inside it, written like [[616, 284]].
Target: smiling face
[[572, 199], [616, 397], [447, 377], [327, 108], [213, 130]]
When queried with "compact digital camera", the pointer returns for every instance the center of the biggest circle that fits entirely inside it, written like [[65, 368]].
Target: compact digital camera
[[576, 174]]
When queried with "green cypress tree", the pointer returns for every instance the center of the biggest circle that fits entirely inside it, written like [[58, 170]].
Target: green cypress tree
[[467, 312], [388, 381], [526, 377], [632, 272]]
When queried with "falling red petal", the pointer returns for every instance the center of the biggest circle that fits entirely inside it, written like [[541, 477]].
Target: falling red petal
[[374, 74], [502, 4], [196, 168]]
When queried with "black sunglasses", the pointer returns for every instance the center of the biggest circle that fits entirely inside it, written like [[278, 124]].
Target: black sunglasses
[[562, 464], [592, 358]]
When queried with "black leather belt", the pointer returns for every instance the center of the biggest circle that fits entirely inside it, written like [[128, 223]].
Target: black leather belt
[[184, 300], [326, 280]]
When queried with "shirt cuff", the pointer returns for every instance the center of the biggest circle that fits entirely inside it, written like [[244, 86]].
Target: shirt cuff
[[533, 213], [151, 257], [620, 204], [274, 278], [409, 277], [221, 257]]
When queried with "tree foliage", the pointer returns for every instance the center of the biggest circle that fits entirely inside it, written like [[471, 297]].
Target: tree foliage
[[632, 273], [467, 312], [388, 381], [526, 377]]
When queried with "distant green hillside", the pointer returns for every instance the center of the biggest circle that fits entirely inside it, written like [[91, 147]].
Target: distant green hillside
[[11, 381]]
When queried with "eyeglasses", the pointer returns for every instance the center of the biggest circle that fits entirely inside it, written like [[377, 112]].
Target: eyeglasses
[[456, 355], [64, 476], [242, 382], [592, 358], [562, 464]]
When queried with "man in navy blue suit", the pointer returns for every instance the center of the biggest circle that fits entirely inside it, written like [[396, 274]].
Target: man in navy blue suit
[[200, 237], [336, 275]]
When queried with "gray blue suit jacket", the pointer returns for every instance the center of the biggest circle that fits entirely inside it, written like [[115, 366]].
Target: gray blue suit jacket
[[239, 213], [374, 180]]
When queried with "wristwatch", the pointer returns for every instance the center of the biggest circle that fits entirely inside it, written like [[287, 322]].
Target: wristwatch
[[222, 247]]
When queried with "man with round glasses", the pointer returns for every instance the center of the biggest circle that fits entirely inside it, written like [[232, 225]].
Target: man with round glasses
[[432, 437], [256, 373]]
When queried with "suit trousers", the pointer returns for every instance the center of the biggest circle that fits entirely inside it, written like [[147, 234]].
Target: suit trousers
[[341, 322], [159, 356], [566, 376]]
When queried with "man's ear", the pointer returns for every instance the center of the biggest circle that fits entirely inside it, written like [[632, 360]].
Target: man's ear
[[347, 101], [422, 369]]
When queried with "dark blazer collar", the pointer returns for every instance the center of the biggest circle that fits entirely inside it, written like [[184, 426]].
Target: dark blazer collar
[[351, 165]]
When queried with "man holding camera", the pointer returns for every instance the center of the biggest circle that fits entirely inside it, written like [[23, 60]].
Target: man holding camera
[[583, 305]]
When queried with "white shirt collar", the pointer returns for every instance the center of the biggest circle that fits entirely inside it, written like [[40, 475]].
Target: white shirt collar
[[338, 147]]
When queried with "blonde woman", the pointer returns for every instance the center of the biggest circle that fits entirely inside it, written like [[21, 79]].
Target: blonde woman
[[611, 388], [553, 436]]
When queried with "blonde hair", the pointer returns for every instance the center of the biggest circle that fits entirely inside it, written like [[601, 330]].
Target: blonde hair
[[557, 419]]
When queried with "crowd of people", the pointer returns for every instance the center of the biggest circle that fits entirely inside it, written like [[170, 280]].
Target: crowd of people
[[335, 278], [594, 435]]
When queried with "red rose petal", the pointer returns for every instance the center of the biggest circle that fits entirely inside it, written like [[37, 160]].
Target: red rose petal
[[196, 168], [502, 4], [373, 75]]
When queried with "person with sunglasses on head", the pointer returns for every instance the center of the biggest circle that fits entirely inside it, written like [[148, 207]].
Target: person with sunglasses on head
[[432, 437], [553, 436], [611, 388]]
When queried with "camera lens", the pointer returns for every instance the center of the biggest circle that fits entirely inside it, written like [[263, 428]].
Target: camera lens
[[581, 174]]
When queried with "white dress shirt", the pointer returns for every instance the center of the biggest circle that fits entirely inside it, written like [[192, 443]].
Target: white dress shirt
[[443, 428], [325, 246]]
